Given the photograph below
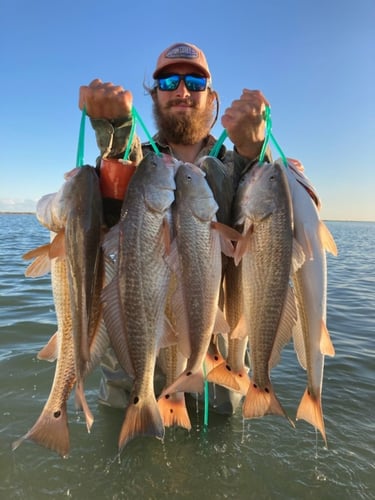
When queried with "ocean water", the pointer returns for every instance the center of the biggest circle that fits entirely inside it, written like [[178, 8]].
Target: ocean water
[[231, 458]]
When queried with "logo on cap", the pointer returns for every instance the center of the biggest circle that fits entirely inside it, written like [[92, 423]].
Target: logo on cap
[[181, 52]]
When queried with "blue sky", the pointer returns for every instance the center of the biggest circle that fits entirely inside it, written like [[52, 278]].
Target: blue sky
[[313, 59]]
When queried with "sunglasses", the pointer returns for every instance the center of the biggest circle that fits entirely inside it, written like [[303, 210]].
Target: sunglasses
[[194, 83]]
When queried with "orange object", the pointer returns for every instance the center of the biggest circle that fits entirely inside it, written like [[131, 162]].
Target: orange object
[[115, 176]]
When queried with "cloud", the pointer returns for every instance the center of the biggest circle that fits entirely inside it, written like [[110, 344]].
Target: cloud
[[14, 205]]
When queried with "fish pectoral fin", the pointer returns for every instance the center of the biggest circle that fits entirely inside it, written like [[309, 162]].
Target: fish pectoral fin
[[227, 236], [57, 246], [327, 240], [243, 245], [39, 267], [240, 331], [221, 325], [326, 346], [298, 257], [36, 252], [50, 351], [42, 263]]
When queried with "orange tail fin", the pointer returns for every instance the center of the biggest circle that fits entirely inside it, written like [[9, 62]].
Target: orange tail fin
[[259, 402], [310, 409], [224, 376], [51, 431], [173, 411], [142, 419]]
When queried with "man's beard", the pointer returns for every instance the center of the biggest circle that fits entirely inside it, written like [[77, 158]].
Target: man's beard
[[181, 128]]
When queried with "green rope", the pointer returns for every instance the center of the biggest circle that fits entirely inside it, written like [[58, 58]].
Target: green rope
[[217, 146], [131, 136], [269, 135], [206, 400], [152, 142], [81, 139]]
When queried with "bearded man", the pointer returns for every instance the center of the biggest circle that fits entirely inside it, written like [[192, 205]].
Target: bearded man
[[185, 108]]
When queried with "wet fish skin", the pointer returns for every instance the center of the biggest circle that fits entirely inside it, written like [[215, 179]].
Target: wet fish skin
[[233, 366], [311, 338], [199, 255], [263, 206], [83, 232], [135, 299], [51, 428]]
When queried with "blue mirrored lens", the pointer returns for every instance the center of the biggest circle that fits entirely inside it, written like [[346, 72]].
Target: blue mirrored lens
[[194, 83]]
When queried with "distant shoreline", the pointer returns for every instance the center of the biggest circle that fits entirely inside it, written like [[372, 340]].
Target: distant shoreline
[[9, 212]]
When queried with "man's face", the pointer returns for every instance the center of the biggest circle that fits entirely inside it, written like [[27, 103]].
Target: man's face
[[183, 116]]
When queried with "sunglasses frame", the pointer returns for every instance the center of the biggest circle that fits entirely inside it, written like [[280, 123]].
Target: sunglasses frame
[[185, 78]]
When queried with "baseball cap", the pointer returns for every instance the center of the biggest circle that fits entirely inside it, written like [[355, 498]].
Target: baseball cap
[[182, 53]]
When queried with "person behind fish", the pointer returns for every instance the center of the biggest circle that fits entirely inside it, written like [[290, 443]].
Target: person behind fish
[[185, 108]]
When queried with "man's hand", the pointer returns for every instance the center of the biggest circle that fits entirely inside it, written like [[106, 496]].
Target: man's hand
[[244, 122], [105, 100]]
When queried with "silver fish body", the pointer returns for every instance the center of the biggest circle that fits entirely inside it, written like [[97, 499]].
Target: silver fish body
[[83, 229], [311, 337], [51, 428], [263, 206], [199, 256], [134, 302]]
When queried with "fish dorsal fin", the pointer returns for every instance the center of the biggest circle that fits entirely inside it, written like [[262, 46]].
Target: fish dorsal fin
[[326, 239], [326, 346]]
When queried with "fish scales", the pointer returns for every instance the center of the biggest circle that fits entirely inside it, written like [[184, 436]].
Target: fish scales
[[51, 428], [199, 253], [141, 288], [311, 338], [263, 205]]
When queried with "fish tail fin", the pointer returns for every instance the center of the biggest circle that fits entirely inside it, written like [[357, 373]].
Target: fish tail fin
[[51, 431], [310, 410], [188, 381], [224, 376], [142, 418], [262, 401], [173, 411], [81, 404]]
